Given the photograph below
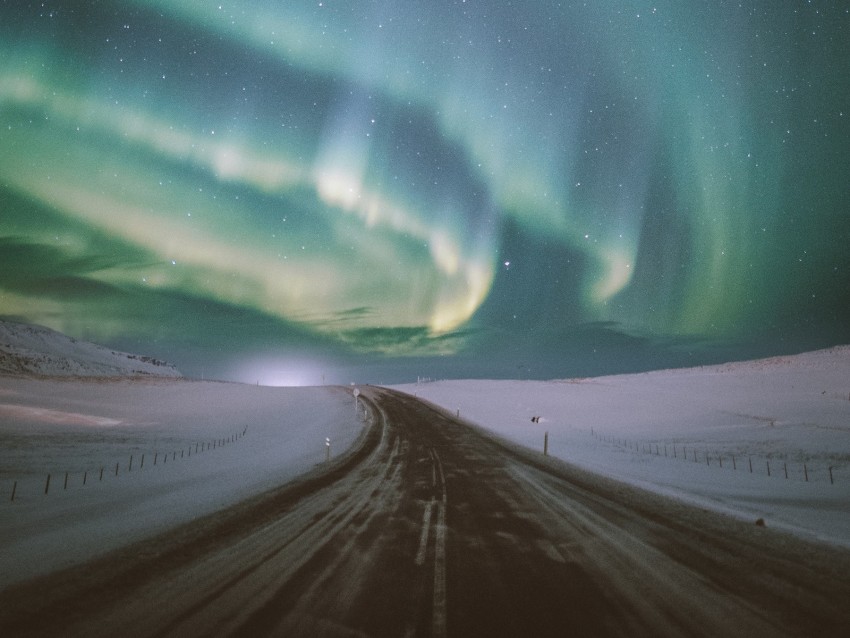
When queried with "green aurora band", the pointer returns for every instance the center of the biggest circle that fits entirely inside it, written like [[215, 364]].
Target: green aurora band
[[425, 178]]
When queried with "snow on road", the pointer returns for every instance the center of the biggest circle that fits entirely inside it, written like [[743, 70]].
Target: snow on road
[[788, 412], [225, 442], [206, 445]]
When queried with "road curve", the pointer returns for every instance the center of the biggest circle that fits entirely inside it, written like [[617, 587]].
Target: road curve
[[429, 527]]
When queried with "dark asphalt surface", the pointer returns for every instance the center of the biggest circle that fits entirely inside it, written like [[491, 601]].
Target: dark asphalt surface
[[429, 527]]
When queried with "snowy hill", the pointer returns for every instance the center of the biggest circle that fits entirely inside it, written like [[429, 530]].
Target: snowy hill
[[765, 439], [38, 351]]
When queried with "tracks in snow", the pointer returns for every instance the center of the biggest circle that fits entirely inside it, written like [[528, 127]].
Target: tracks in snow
[[429, 528]]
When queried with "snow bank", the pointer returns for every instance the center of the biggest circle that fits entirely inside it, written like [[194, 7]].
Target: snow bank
[[34, 350], [206, 446], [789, 412]]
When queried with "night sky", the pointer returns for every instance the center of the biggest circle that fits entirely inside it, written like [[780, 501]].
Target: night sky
[[293, 192]]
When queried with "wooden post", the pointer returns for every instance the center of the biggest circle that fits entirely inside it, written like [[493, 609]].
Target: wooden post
[[85, 476], [786, 469], [130, 469], [116, 469], [142, 464], [14, 489], [65, 486], [47, 484], [546, 444], [734, 465], [806, 472], [155, 454], [831, 482], [751, 464], [101, 472], [720, 459], [768, 467]]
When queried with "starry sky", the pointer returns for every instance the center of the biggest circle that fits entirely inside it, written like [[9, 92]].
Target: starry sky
[[326, 190]]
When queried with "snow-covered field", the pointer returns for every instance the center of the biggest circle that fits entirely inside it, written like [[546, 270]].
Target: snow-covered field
[[206, 445], [788, 412], [200, 446]]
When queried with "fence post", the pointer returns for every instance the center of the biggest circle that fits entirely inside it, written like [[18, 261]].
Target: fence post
[[101, 472], [65, 486], [751, 464], [546, 444], [831, 482], [47, 485], [14, 489], [142, 464], [768, 467], [131, 464], [786, 469], [806, 472], [85, 476], [116, 468], [734, 465]]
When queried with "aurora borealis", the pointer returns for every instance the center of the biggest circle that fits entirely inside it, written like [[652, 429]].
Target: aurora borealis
[[475, 187]]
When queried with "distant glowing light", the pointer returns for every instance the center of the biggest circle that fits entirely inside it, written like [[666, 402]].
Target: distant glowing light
[[281, 371]]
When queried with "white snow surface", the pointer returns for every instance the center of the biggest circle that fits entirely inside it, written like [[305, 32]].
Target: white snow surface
[[263, 437], [786, 411], [38, 351], [790, 412]]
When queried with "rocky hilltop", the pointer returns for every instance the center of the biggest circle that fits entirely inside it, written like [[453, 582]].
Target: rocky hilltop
[[37, 351]]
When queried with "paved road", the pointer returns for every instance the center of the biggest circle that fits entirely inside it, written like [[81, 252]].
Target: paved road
[[431, 528]]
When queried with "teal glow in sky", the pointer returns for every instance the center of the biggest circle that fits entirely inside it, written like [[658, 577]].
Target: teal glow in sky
[[477, 186]]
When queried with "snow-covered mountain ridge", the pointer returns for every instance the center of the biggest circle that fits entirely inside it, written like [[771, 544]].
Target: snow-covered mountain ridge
[[37, 351]]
